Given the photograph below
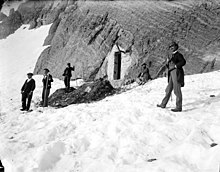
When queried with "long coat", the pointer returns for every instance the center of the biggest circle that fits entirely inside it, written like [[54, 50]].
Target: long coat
[[67, 72], [47, 81], [28, 86], [178, 60]]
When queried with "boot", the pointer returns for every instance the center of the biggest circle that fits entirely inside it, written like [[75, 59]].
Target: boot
[[161, 106], [176, 110]]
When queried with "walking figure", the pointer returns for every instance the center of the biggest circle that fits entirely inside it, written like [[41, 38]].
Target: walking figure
[[47, 79], [175, 78], [27, 92], [67, 75]]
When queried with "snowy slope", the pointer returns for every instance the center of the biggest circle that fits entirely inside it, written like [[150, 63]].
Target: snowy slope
[[122, 133], [19, 53]]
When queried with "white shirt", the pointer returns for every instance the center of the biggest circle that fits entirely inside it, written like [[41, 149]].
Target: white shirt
[[174, 52], [29, 80]]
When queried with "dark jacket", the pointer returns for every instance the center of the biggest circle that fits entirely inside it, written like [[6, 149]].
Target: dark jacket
[[68, 71], [145, 74], [47, 81], [178, 60], [28, 86]]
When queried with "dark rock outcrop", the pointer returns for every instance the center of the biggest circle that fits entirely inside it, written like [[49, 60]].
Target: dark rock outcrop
[[10, 24], [38, 13], [52, 32], [2, 16], [86, 93]]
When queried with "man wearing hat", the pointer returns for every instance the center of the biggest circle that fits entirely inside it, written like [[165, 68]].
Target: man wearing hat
[[175, 78], [67, 75], [27, 92], [144, 75], [47, 79]]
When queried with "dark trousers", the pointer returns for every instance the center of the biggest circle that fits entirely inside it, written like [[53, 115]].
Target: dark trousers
[[45, 95], [26, 100], [67, 82], [1, 165], [173, 85]]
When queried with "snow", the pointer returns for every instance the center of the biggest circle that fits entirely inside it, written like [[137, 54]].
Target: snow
[[122, 133], [17, 59]]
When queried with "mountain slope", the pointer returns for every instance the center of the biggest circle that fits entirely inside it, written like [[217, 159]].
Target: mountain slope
[[124, 132], [89, 30], [85, 33]]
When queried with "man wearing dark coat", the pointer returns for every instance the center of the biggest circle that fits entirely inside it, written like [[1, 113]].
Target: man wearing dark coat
[[144, 75], [175, 78], [67, 75], [47, 79], [27, 92]]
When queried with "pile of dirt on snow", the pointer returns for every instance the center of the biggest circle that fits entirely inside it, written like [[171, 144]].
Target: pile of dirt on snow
[[88, 92]]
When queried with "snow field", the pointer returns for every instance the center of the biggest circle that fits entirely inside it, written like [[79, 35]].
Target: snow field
[[19, 53]]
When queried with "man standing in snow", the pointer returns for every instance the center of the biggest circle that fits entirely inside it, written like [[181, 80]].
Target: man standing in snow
[[67, 75], [144, 75], [46, 87], [175, 78], [27, 92]]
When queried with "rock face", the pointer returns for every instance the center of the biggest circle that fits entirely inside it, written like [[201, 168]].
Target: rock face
[[2, 16], [87, 93], [9, 24], [38, 13], [88, 34]]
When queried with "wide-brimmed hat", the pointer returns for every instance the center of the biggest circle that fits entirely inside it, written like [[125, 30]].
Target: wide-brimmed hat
[[30, 74], [46, 69]]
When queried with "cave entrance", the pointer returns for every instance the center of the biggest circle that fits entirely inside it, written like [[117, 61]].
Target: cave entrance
[[117, 66]]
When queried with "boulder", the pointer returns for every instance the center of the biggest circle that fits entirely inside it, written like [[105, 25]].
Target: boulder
[[33, 24], [87, 93]]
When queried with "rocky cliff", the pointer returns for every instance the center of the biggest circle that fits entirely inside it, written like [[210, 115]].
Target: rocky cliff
[[9, 24], [89, 33]]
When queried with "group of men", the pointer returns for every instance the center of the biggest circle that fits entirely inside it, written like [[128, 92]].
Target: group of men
[[174, 64], [29, 86]]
